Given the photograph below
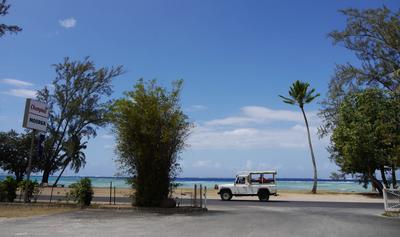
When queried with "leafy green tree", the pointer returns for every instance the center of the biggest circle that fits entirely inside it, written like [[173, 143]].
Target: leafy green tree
[[373, 36], [4, 7], [362, 141], [299, 94], [77, 108], [389, 131], [14, 153], [151, 132]]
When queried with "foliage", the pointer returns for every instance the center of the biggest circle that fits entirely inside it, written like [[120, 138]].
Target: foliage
[[337, 176], [300, 95], [366, 137], [77, 109], [151, 132], [373, 36], [32, 187], [4, 7], [8, 189], [14, 153], [82, 192]]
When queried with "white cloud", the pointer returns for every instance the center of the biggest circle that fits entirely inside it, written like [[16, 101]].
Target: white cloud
[[256, 127], [260, 115], [68, 23], [15, 82], [21, 93], [195, 108], [206, 164]]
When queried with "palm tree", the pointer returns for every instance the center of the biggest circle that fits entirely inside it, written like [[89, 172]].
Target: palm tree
[[300, 95], [73, 156]]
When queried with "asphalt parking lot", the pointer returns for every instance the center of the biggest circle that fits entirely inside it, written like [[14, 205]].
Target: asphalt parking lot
[[238, 218]]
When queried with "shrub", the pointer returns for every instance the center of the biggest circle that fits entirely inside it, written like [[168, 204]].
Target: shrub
[[8, 189], [32, 187], [82, 192], [151, 131]]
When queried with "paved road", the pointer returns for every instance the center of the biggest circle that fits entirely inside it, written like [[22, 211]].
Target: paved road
[[235, 218], [244, 202]]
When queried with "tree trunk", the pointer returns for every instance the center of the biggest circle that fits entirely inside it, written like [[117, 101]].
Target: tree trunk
[[383, 176], [394, 179], [19, 176], [377, 183], [314, 188], [45, 177], [59, 176]]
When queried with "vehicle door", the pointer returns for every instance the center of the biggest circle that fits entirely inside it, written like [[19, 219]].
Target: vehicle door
[[254, 183], [241, 186]]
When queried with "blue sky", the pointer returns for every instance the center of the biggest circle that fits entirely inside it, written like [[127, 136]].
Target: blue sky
[[235, 57]]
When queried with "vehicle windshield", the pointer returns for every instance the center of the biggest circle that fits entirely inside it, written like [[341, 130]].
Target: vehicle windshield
[[263, 178]]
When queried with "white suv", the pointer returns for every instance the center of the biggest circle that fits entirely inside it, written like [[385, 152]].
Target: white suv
[[250, 183]]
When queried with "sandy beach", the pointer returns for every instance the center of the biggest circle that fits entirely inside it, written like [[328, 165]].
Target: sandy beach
[[283, 195]]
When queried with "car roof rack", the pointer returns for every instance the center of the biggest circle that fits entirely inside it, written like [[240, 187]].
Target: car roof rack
[[257, 172]]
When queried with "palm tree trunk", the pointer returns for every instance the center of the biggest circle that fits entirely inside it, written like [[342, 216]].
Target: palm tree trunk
[[55, 183], [314, 188], [59, 176]]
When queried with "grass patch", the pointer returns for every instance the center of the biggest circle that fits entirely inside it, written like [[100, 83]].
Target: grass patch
[[391, 214]]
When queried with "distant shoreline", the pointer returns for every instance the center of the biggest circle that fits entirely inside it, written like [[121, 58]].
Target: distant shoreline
[[189, 178]]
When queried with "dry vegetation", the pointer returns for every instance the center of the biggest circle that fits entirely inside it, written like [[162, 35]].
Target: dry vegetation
[[12, 211]]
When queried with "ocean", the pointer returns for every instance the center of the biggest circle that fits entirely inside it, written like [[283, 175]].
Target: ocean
[[283, 184]]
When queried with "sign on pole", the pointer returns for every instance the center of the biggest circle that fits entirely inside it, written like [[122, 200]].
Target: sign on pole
[[36, 114], [35, 118]]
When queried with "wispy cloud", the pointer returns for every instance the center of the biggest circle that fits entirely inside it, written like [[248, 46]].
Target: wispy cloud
[[68, 23], [195, 108], [15, 82], [259, 114], [206, 164], [21, 93], [255, 127]]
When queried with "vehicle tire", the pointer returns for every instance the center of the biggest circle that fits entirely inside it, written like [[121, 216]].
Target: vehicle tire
[[226, 195], [263, 196]]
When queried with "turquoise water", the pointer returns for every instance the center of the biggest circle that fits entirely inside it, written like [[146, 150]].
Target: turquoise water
[[283, 184]]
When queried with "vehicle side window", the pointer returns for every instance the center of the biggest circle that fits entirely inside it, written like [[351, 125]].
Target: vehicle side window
[[240, 180], [255, 178], [261, 178]]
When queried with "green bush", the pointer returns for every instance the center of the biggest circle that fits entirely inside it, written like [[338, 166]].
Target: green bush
[[82, 192], [32, 187], [8, 189]]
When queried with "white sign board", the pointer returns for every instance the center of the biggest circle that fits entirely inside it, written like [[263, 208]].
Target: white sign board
[[36, 114]]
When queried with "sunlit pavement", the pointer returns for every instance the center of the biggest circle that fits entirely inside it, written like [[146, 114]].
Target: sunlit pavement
[[225, 219]]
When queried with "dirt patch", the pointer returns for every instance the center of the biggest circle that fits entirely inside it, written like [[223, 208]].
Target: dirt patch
[[13, 211]]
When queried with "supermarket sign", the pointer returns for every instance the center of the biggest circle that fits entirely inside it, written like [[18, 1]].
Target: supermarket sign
[[35, 116]]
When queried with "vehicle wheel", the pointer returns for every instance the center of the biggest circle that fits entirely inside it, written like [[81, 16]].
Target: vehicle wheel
[[263, 196], [226, 195]]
